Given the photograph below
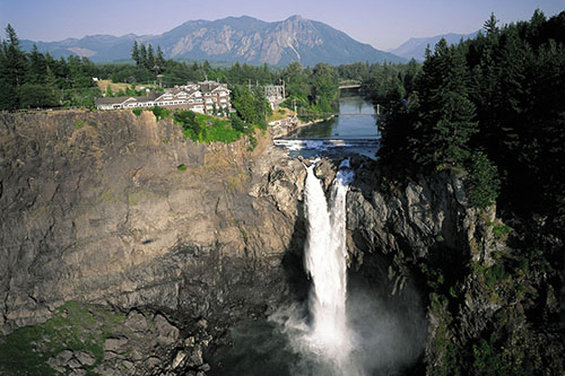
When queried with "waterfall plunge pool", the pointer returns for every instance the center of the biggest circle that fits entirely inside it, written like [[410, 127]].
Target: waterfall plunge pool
[[349, 325]]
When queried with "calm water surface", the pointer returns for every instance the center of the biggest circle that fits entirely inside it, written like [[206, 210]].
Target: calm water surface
[[357, 119]]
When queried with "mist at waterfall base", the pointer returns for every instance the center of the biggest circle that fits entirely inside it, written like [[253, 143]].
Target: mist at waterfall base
[[349, 326]]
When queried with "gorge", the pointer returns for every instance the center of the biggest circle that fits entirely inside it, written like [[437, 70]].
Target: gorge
[[167, 268]]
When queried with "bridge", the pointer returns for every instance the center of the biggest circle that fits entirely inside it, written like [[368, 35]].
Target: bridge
[[329, 114], [349, 84], [352, 86]]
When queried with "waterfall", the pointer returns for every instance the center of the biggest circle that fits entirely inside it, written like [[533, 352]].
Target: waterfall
[[325, 261]]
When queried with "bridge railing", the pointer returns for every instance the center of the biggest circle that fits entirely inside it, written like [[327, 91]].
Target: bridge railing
[[328, 114]]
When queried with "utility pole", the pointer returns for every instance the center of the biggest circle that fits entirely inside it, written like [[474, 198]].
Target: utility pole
[[378, 109]]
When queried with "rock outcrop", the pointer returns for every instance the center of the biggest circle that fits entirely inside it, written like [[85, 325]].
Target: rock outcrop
[[96, 210], [489, 305]]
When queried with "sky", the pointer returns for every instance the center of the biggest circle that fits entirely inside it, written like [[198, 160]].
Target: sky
[[385, 24]]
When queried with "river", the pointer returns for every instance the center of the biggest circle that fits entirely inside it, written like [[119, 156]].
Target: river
[[357, 119], [353, 131]]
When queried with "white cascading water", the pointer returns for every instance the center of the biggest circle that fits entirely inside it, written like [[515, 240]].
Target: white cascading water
[[325, 259]]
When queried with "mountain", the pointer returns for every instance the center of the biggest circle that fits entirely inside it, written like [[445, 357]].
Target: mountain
[[416, 47], [244, 39], [96, 47]]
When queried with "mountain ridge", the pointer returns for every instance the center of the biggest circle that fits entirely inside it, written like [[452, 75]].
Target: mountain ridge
[[232, 39], [415, 48]]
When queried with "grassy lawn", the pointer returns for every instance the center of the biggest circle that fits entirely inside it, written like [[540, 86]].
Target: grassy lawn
[[117, 86]]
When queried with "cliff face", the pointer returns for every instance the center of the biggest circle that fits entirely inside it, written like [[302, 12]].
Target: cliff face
[[95, 210], [100, 230], [490, 298]]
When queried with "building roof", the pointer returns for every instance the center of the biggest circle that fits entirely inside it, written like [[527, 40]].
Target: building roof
[[118, 100], [209, 86]]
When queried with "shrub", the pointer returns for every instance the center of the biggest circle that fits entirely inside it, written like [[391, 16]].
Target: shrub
[[252, 143], [483, 181], [160, 112], [73, 326], [187, 120], [237, 123], [182, 167], [137, 111], [205, 128], [501, 232]]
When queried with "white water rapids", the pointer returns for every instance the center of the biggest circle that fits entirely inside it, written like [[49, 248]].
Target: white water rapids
[[325, 261]]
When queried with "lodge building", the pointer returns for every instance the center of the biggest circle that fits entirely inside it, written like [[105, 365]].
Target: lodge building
[[202, 97]]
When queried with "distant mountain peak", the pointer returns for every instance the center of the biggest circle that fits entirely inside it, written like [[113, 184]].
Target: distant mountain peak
[[415, 48], [295, 17], [244, 39]]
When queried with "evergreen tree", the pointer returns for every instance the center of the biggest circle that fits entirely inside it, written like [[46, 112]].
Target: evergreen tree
[[150, 58], [160, 60], [135, 53], [37, 70], [447, 113], [490, 25], [52, 87], [12, 71], [143, 62]]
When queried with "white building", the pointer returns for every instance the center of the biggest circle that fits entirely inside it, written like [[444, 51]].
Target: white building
[[203, 97]]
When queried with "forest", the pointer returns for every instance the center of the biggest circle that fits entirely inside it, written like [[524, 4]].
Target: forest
[[492, 106], [491, 111]]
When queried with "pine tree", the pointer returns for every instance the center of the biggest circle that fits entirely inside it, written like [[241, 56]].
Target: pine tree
[[150, 57], [51, 85], [490, 25], [12, 71], [37, 70], [142, 56], [160, 60], [135, 53], [447, 113]]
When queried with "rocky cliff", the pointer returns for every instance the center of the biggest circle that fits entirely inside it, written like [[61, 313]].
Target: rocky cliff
[[129, 250], [97, 209], [490, 294]]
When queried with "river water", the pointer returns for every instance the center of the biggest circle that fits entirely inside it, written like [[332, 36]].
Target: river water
[[357, 119], [353, 131]]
